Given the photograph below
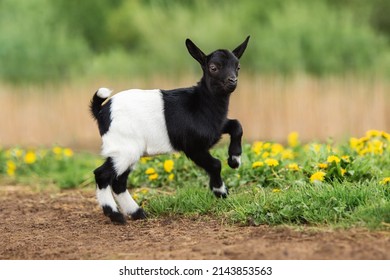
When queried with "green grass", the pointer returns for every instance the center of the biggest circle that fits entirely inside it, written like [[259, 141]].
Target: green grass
[[339, 205], [315, 184]]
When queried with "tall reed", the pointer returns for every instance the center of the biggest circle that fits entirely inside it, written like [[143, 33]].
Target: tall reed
[[268, 107]]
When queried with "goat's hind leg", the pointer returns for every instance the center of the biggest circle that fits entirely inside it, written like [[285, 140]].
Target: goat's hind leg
[[104, 176], [124, 199]]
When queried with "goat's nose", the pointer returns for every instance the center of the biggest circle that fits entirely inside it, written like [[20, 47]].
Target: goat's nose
[[232, 80]]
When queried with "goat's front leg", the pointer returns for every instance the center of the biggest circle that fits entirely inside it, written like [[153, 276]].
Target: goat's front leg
[[213, 167], [234, 129]]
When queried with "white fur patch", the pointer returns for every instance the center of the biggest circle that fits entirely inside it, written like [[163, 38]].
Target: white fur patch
[[137, 128], [222, 189], [104, 92], [105, 198], [126, 203], [237, 159]]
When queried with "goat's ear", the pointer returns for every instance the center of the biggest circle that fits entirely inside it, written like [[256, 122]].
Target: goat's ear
[[241, 48], [195, 52]]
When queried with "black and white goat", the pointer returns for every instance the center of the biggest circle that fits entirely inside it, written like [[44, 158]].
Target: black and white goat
[[135, 123]]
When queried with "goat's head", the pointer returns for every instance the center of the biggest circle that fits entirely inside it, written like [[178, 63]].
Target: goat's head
[[220, 68]]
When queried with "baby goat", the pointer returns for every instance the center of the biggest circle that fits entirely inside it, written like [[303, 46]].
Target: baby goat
[[136, 123]]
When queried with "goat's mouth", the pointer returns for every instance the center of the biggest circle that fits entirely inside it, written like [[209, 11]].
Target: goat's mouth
[[229, 87]]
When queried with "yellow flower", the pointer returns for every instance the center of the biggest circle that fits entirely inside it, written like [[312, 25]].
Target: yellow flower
[[271, 162], [150, 171], [293, 167], [11, 164], [354, 143], [68, 152], [343, 171], [293, 139], [346, 158], [176, 155], [376, 147], [317, 177], [266, 146], [276, 190], [364, 139], [315, 147], [144, 191], [276, 149], [385, 181], [18, 152], [57, 150], [168, 165], [265, 155], [364, 151], [153, 176], [373, 133], [11, 167], [322, 165], [288, 154], [257, 147], [30, 157], [257, 164], [145, 159], [333, 158], [171, 177]]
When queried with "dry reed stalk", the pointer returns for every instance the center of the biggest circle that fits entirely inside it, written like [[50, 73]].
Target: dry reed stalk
[[271, 107], [268, 107]]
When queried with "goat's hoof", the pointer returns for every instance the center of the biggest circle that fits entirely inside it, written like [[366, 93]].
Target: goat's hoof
[[220, 195], [234, 161], [140, 214], [221, 192], [117, 218]]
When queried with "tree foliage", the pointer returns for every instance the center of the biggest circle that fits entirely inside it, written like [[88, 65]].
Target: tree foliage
[[43, 40]]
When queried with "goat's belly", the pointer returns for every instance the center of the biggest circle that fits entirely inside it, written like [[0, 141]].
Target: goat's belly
[[137, 124]]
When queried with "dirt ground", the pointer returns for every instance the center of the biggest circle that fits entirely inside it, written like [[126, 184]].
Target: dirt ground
[[70, 225]]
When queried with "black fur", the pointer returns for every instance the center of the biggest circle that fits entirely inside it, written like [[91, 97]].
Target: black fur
[[196, 117], [234, 129], [104, 178], [101, 113], [114, 216], [139, 214]]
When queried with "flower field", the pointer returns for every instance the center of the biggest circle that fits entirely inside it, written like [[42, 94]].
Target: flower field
[[346, 184]]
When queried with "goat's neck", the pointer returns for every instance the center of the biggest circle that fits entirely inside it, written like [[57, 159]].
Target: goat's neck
[[213, 97], [213, 102]]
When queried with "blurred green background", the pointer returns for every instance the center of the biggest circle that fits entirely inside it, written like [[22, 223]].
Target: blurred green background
[[54, 41]]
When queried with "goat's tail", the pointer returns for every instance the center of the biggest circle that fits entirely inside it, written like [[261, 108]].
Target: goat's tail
[[97, 100]]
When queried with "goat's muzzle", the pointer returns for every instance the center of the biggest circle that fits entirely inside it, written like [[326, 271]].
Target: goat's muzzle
[[231, 84]]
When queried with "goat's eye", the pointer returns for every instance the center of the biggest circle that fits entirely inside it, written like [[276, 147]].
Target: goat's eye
[[213, 68], [238, 67]]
